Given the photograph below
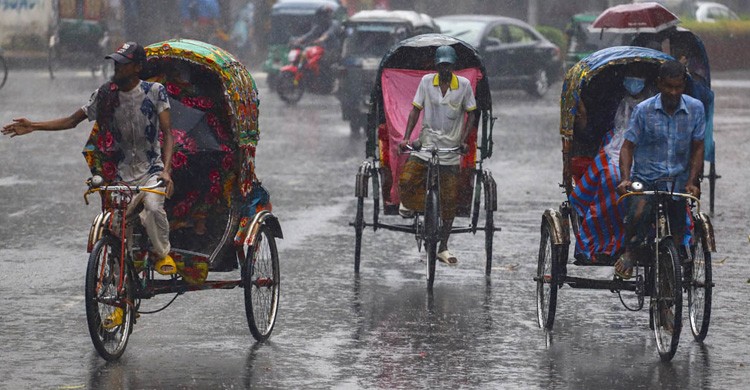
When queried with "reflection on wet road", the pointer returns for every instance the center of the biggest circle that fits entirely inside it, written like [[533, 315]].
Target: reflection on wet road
[[381, 329]]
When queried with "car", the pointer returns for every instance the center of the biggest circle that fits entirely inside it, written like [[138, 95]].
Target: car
[[515, 55], [706, 11]]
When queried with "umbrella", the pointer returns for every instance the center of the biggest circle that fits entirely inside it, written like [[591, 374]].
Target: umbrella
[[195, 125], [635, 18]]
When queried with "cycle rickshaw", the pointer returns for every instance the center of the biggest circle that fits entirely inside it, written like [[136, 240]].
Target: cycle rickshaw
[[79, 35], [399, 74], [593, 213], [220, 215]]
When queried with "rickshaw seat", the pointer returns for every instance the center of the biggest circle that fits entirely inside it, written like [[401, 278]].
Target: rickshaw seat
[[399, 87], [579, 165]]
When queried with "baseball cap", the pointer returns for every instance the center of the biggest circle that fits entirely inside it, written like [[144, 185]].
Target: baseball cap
[[127, 53], [445, 54]]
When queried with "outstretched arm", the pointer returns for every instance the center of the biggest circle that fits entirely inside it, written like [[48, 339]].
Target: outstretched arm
[[21, 126]]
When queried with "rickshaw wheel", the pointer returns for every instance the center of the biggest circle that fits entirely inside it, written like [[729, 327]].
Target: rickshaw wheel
[[666, 301], [4, 70], [489, 234], [359, 226], [699, 277], [102, 298], [546, 278], [261, 280], [431, 234], [288, 92]]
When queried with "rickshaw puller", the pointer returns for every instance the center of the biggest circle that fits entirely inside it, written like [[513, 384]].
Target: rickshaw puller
[[445, 98], [134, 111], [664, 139]]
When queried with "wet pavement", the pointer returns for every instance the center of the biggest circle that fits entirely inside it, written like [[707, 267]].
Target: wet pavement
[[381, 329]]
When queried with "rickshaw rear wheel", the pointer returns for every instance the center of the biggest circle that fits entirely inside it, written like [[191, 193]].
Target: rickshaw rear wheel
[[699, 276], [666, 301], [547, 278], [489, 234], [288, 91], [359, 226], [431, 233], [261, 280], [103, 299]]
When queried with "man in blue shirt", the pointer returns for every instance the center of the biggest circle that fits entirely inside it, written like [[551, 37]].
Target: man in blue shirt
[[664, 139]]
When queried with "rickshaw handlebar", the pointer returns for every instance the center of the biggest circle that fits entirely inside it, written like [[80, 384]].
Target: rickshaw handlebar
[[416, 146], [95, 185], [636, 186]]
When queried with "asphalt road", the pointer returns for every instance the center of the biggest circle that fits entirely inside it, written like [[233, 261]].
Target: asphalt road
[[381, 330]]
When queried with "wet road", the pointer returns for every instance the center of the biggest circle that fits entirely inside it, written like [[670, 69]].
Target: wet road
[[381, 330]]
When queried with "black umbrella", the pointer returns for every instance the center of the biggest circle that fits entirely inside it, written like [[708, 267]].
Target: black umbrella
[[195, 125]]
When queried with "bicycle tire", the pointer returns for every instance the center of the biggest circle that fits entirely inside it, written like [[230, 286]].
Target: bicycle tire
[[359, 226], [432, 233], [700, 278], [546, 278], [261, 280], [667, 294], [4, 70], [489, 235], [102, 278]]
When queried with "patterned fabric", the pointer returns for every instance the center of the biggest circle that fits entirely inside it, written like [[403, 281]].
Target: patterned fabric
[[663, 142], [413, 182], [131, 143]]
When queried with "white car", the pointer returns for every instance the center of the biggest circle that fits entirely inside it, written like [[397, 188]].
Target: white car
[[712, 12]]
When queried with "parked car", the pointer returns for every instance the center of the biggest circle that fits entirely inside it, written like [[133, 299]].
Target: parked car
[[514, 53], [706, 11], [369, 35]]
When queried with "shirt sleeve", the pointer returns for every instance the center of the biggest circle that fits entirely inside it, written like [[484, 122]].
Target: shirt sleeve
[[419, 97], [162, 101], [470, 102], [635, 125], [699, 131], [90, 108]]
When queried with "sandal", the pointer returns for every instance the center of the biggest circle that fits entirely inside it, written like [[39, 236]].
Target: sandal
[[447, 258], [166, 266], [624, 268], [113, 320]]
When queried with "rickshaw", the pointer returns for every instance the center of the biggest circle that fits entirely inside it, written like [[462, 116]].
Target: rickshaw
[[79, 35], [220, 215], [593, 213], [399, 74], [291, 18], [369, 34]]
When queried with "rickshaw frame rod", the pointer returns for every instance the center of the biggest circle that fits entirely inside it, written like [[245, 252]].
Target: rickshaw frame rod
[[158, 287], [599, 284], [410, 228]]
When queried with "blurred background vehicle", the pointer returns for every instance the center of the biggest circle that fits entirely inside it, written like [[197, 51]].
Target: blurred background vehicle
[[369, 35], [515, 54], [581, 41], [706, 11], [292, 18]]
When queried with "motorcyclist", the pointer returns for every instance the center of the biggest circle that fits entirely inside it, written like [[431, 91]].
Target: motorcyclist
[[325, 33]]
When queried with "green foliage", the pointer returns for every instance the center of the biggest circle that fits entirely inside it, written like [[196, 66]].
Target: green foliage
[[729, 28], [555, 35]]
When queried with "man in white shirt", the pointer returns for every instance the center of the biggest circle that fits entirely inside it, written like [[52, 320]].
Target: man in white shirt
[[445, 99]]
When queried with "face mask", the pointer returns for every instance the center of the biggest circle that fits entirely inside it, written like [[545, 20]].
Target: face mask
[[634, 85]]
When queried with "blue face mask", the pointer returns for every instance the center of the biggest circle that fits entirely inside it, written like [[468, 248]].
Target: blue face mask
[[634, 85]]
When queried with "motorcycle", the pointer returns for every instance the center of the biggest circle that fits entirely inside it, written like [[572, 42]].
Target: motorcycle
[[304, 72]]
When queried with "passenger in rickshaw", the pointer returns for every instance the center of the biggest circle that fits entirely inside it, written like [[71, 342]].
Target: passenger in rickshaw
[[135, 116], [445, 99], [664, 139], [592, 197], [203, 158]]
